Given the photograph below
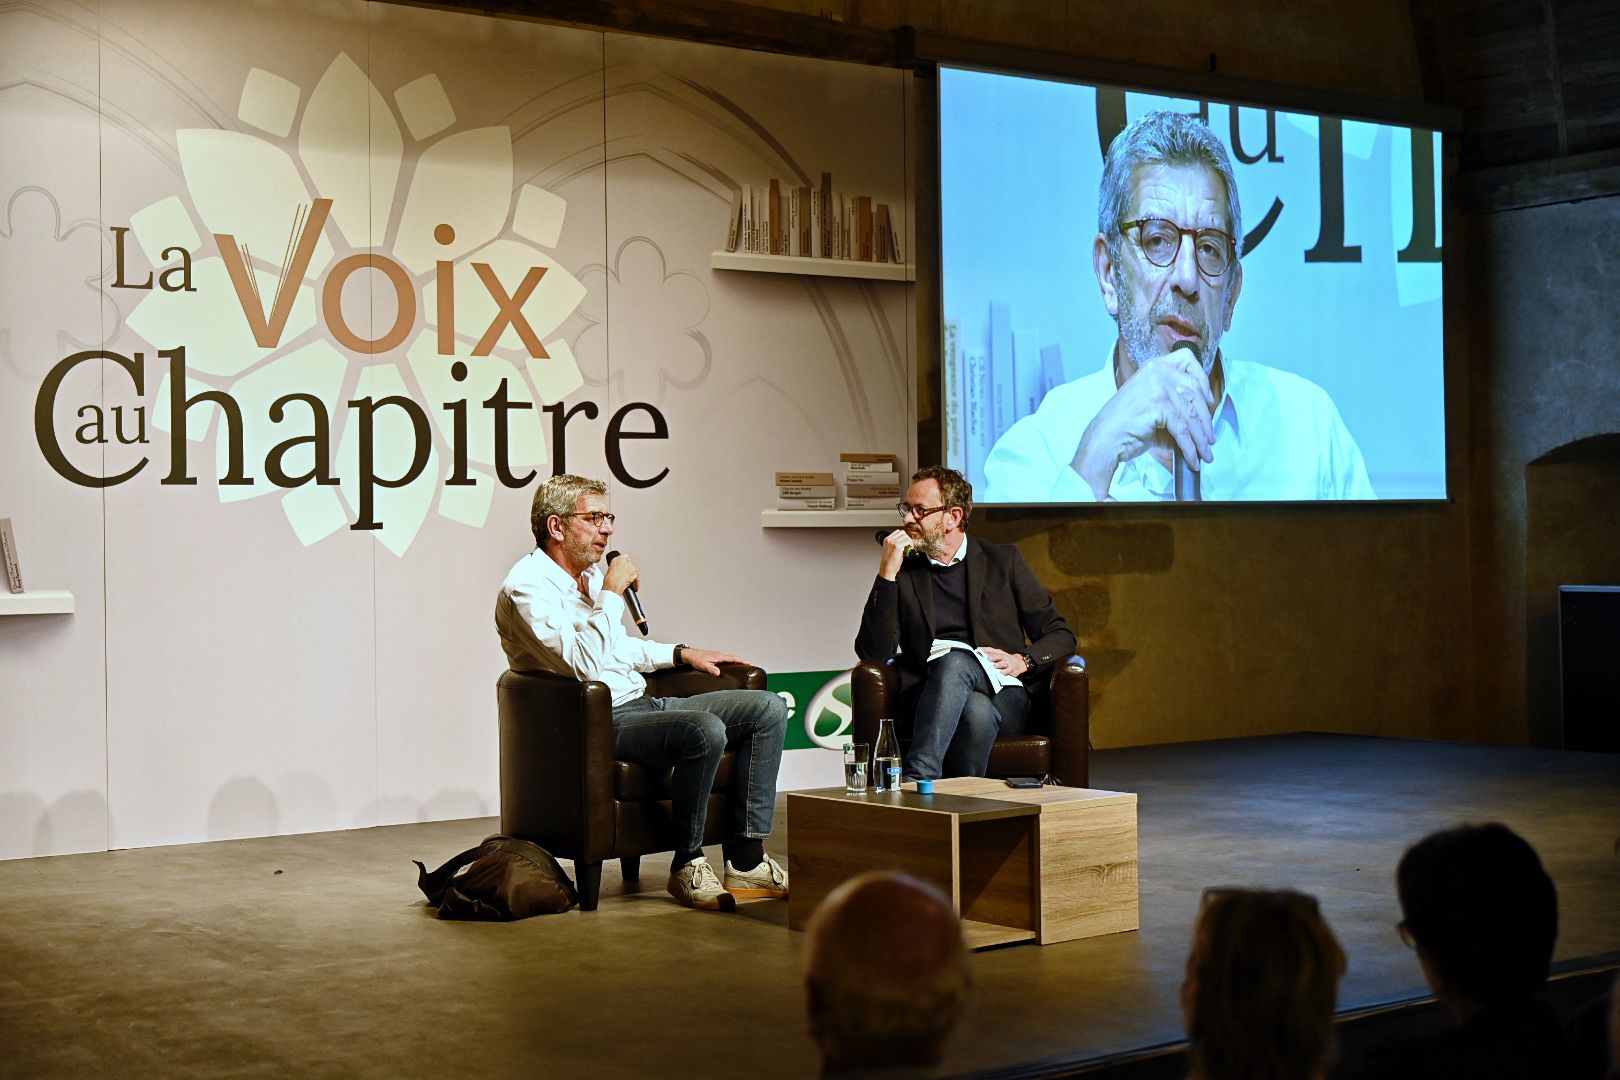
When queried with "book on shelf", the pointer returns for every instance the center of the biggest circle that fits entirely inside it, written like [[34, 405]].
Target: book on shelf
[[880, 233], [862, 225], [872, 491], [888, 474], [862, 502], [824, 200], [826, 503], [1026, 371], [894, 241], [793, 223], [805, 491], [866, 457], [8, 547], [816, 249], [1002, 392], [775, 215], [803, 478], [803, 237], [976, 418], [735, 225]]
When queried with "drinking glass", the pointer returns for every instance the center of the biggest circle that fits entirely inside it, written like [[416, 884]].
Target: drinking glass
[[856, 756]]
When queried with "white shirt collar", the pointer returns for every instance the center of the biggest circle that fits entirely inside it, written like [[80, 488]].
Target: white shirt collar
[[961, 553]]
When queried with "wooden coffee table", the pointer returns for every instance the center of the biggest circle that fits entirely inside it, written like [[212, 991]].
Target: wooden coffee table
[[1042, 864]]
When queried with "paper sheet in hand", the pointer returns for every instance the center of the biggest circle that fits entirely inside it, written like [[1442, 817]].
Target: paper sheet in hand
[[941, 646]]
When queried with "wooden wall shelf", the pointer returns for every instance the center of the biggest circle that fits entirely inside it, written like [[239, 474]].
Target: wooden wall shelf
[[798, 264], [827, 519]]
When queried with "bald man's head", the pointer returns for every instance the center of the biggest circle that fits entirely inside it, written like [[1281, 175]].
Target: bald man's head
[[885, 972]]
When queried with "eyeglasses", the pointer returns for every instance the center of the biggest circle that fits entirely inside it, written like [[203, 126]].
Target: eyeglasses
[[1160, 241], [595, 519], [919, 512]]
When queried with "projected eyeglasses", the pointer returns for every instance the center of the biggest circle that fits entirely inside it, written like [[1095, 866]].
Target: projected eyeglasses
[[1160, 241]]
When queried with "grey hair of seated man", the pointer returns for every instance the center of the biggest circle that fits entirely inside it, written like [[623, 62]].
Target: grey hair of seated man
[[886, 973]]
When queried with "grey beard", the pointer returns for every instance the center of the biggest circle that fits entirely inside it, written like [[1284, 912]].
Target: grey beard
[[1136, 329], [931, 545]]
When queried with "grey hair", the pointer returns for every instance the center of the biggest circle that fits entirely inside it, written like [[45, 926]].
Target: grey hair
[[559, 496], [1164, 137]]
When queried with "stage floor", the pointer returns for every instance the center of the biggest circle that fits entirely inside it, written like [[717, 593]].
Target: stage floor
[[314, 956]]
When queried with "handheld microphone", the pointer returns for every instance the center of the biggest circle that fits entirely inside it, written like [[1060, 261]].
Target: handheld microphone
[[1189, 482], [632, 600], [881, 535]]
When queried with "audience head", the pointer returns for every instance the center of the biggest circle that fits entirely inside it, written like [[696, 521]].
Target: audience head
[[1262, 981], [886, 973], [1481, 912]]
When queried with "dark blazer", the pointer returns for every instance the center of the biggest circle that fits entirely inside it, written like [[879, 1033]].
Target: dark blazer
[[1007, 607]]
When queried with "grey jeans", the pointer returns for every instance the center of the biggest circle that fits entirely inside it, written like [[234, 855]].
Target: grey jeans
[[691, 734]]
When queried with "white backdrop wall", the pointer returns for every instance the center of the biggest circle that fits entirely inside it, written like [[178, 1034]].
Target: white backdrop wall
[[241, 660]]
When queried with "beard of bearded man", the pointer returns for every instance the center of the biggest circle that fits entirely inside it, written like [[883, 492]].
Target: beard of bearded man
[[931, 542], [1136, 328]]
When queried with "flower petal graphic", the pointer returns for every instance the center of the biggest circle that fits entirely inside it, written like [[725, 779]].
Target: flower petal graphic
[[525, 436], [558, 375], [269, 102], [464, 181], [468, 503], [346, 113], [552, 301], [425, 106], [210, 323], [400, 510], [314, 513], [317, 369], [248, 188]]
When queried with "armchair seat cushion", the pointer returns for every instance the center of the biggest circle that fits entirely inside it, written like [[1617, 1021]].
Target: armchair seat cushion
[[649, 783], [1021, 755]]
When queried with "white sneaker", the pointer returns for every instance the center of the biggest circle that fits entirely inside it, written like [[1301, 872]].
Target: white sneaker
[[696, 885], [766, 879]]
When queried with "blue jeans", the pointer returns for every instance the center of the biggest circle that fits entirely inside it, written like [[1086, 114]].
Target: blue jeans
[[691, 734], [959, 714]]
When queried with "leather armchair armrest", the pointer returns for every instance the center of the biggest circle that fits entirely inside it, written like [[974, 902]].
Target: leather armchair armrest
[[684, 681], [557, 762], [1071, 723], [873, 689]]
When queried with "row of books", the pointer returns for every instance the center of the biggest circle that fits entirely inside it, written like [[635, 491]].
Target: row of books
[[815, 222], [990, 384], [862, 481]]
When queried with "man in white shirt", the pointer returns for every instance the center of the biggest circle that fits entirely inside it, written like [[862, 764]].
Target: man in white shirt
[[558, 611], [1167, 257]]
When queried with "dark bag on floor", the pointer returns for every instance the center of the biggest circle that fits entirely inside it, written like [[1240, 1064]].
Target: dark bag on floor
[[501, 879]]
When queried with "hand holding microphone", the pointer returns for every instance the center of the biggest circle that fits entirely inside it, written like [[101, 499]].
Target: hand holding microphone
[[1189, 481], [622, 577]]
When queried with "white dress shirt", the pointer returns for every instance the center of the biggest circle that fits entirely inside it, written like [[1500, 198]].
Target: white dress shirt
[[1278, 437], [547, 624]]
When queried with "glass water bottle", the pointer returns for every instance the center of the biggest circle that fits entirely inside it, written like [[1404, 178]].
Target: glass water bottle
[[886, 758]]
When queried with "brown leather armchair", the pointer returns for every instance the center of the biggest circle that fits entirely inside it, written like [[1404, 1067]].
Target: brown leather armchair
[[1057, 739], [562, 788]]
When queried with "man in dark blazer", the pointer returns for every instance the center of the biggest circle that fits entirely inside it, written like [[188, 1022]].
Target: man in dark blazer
[[966, 625]]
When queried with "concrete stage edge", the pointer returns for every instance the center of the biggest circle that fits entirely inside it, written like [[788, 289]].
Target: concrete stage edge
[[313, 955]]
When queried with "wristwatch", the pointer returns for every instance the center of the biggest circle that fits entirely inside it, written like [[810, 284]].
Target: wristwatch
[[677, 658], [1029, 662]]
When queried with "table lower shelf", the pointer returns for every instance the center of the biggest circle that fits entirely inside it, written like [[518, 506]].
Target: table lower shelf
[[983, 935]]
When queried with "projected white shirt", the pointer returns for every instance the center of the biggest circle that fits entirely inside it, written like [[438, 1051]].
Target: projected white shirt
[[547, 624], [1278, 437]]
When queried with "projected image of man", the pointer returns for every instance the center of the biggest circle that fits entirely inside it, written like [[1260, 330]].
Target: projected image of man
[[1168, 258]]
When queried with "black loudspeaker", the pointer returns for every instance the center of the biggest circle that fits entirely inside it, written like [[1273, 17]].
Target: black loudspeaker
[[1589, 666]]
